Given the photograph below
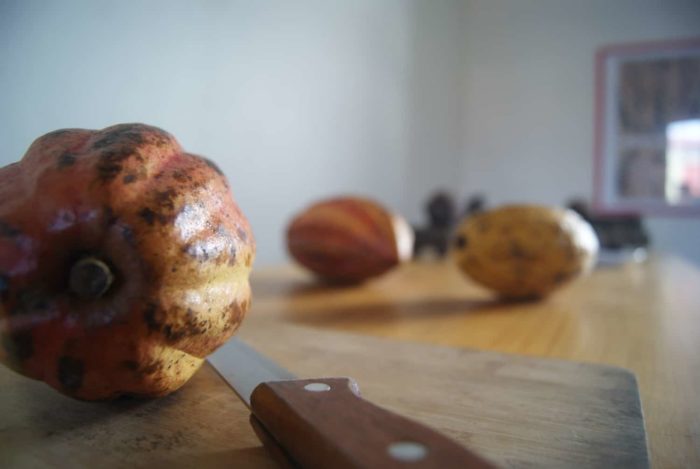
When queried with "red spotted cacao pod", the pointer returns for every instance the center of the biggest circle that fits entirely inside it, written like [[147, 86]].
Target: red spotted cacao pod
[[124, 262]]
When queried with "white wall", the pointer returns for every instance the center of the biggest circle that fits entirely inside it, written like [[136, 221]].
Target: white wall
[[294, 100], [529, 96], [298, 100]]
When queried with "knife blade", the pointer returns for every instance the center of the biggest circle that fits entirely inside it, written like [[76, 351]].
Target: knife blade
[[322, 423]]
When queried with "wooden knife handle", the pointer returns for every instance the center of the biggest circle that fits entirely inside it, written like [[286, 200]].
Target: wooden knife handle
[[323, 423]]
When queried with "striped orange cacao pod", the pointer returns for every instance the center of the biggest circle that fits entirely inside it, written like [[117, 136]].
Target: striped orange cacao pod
[[349, 239]]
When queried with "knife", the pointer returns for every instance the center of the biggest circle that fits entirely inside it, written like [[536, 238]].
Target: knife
[[324, 423]]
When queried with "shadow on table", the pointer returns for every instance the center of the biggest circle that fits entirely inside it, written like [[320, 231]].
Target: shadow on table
[[394, 311], [265, 288]]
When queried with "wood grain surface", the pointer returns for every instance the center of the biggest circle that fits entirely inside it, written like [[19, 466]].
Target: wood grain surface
[[643, 317], [516, 411]]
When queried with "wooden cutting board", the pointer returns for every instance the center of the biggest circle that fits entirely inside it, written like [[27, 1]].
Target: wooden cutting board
[[517, 411]]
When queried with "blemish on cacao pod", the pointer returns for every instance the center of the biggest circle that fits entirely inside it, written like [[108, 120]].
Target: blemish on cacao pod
[[122, 134], [160, 136], [128, 235], [129, 178], [30, 300], [181, 176], [483, 226], [517, 252], [148, 215], [152, 368], [7, 230], [213, 166], [232, 256], [65, 160], [173, 335], [4, 284], [131, 365], [110, 163], [149, 317], [166, 199], [461, 242], [204, 250], [70, 373], [110, 218]]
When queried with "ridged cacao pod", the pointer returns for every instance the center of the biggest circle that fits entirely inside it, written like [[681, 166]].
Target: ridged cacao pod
[[525, 251], [349, 239], [124, 262]]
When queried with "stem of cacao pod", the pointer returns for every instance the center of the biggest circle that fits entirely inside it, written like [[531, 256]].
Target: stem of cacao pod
[[90, 278]]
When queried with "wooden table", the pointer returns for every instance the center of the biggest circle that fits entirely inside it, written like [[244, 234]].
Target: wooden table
[[643, 317]]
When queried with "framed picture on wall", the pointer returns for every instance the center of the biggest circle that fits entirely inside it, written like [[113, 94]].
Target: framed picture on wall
[[648, 128]]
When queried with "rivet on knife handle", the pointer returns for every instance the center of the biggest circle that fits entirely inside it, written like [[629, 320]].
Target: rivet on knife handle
[[324, 423]]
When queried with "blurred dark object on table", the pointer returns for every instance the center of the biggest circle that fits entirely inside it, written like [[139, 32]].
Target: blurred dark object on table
[[441, 210], [622, 237], [475, 204], [442, 215]]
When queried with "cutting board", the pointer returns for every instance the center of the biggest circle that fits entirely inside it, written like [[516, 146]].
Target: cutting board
[[516, 411]]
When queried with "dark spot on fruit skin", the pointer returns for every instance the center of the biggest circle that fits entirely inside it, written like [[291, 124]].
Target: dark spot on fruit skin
[[149, 317], [70, 373], [109, 216], [193, 326], [561, 277], [29, 301], [242, 235], [22, 345], [232, 255], [213, 166], [128, 133], [181, 176], [4, 285], [65, 160], [171, 335], [152, 368], [166, 198], [461, 241], [130, 365], [161, 136], [516, 251], [129, 178], [148, 215], [128, 235], [110, 163], [7, 230]]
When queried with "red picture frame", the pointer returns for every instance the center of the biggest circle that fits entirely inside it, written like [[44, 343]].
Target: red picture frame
[[647, 128]]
